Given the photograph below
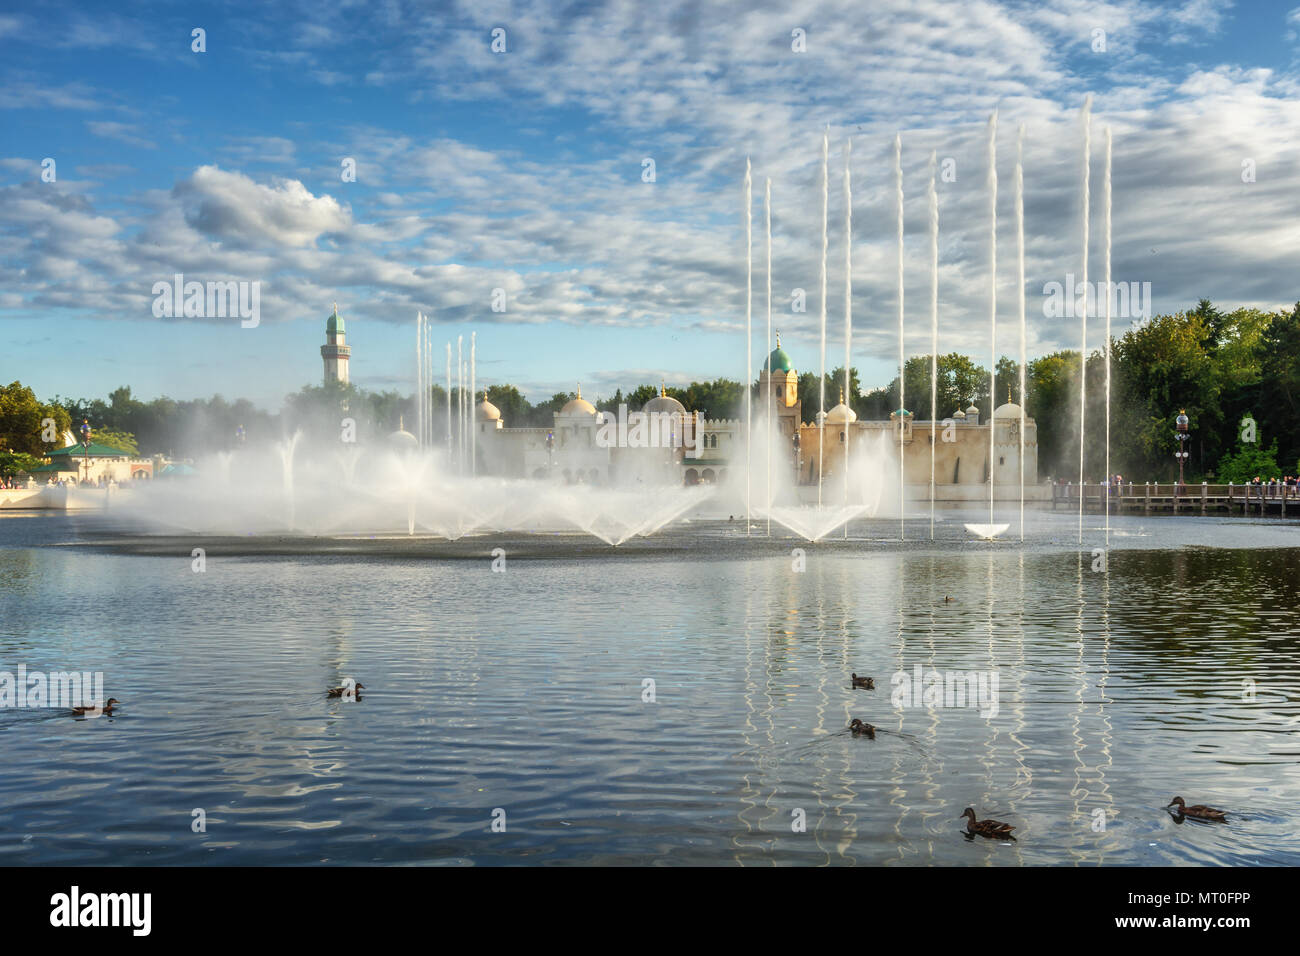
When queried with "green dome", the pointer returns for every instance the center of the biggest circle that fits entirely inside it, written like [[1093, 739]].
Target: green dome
[[334, 326], [780, 362]]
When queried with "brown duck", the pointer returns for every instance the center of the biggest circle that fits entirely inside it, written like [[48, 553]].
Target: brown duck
[[866, 683], [1197, 812], [994, 829], [106, 708], [340, 691], [862, 730]]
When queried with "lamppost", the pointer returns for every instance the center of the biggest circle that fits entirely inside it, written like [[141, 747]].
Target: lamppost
[[1180, 426], [85, 445]]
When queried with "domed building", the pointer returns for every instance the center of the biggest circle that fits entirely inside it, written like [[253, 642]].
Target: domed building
[[402, 440]]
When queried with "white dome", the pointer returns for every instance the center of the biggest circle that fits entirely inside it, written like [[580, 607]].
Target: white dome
[[840, 414], [1009, 410], [485, 411], [664, 404]]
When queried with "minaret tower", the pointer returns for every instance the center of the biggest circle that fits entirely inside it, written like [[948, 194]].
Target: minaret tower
[[335, 352]]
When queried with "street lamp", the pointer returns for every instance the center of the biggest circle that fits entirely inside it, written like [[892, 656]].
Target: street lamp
[[85, 445], [1180, 426]]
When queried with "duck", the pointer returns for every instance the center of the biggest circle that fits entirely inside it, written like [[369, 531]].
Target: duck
[[866, 683], [861, 729], [349, 686], [107, 708], [994, 829], [1198, 811]]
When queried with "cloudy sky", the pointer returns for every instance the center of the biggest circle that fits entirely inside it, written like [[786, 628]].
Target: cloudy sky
[[526, 171]]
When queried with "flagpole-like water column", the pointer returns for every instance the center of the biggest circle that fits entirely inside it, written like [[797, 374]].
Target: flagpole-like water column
[[1083, 313], [473, 384], [848, 313], [448, 401], [767, 484], [749, 336], [993, 298], [419, 375], [1020, 247], [934, 326], [1109, 297], [821, 414], [902, 355]]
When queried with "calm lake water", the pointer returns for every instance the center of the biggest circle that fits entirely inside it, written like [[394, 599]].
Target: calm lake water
[[1174, 672]]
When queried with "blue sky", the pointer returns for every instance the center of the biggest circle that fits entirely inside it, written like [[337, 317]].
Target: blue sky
[[522, 170]]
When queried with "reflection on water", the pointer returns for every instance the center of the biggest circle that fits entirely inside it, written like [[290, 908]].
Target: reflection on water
[[1175, 672]]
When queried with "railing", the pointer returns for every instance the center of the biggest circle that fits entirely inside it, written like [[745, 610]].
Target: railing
[[1130, 495]]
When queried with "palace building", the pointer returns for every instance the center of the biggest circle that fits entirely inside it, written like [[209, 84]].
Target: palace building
[[587, 446]]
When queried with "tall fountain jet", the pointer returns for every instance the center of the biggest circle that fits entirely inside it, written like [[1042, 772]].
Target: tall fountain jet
[[934, 325], [749, 335], [993, 298], [419, 375], [473, 432], [902, 355], [1020, 245], [821, 414], [848, 313], [1109, 298], [449, 401], [1083, 313], [767, 484]]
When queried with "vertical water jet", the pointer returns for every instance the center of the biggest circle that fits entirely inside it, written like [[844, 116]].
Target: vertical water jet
[[934, 327], [902, 354], [1083, 313], [993, 299], [821, 428], [1020, 247]]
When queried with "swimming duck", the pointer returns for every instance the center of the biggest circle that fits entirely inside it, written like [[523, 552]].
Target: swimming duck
[[349, 686], [862, 730], [1198, 811], [866, 683], [987, 828], [107, 708]]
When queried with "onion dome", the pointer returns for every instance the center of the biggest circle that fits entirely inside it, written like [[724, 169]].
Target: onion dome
[[485, 411], [664, 404], [334, 324], [778, 361], [402, 440], [578, 406], [1009, 410], [841, 413]]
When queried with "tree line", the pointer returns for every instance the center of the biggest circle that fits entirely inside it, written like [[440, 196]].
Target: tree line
[[1236, 374]]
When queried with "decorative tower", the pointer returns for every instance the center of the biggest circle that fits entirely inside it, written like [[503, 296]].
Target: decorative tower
[[335, 352], [780, 387]]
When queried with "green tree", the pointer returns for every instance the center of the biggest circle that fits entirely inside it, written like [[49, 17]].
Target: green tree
[[1249, 461], [23, 421]]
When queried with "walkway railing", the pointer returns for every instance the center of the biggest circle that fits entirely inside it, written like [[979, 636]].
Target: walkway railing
[[1148, 497]]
